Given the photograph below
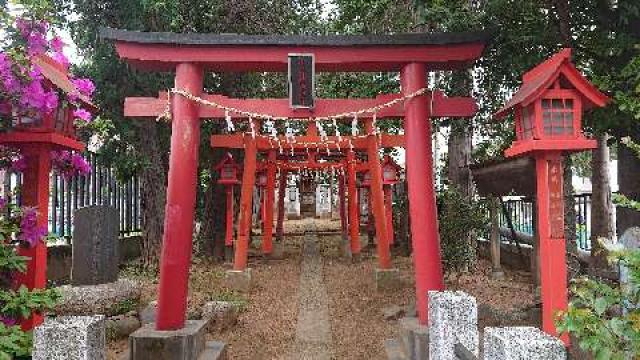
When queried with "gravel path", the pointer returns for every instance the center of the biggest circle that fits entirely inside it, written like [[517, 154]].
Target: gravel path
[[313, 329]]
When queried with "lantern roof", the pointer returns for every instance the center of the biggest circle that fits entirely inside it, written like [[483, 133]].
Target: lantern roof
[[388, 161], [227, 159], [55, 73], [541, 77]]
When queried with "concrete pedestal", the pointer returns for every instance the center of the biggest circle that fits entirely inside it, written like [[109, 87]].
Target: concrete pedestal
[[414, 339], [277, 251], [497, 275], [188, 343], [239, 280], [387, 279]]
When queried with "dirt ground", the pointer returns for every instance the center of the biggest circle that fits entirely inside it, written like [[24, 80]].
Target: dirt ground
[[266, 327]]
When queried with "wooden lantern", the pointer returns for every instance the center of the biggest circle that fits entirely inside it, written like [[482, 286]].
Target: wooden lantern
[[59, 120], [229, 171], [390, 171], [548, 108]]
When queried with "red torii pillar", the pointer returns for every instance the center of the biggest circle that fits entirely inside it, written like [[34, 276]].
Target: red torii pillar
[[343, 208], [422, 200], [354, 213], [269, 197], [175, 259], [282, 189], [376, 198], [246, 198]]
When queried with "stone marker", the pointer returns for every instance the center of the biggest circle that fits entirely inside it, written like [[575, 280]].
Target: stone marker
[[219, 315], [630, 240], [453, 318], [515, 343], [95, 246], [70, 338]]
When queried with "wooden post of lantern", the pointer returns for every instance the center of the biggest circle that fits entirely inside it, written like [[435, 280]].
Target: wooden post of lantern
[[548, 112], [35, 137], [390, 177], [229, 171]]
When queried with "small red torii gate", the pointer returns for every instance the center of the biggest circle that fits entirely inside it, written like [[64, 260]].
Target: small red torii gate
[[189, 55]]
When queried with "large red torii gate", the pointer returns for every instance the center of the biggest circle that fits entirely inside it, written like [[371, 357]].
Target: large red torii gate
[[189, 55]]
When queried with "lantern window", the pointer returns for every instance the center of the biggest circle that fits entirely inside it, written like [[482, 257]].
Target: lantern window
[[528, 122], [557, 117]]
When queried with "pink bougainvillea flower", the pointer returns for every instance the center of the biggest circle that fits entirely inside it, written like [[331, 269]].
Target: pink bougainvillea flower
[[8, 320], [81, 165], [30, 232], [57, 44], [82, 114], [84, 86], [19, 164], [36, 44]]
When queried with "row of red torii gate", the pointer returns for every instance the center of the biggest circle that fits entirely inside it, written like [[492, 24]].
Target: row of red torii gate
[[548, 111]]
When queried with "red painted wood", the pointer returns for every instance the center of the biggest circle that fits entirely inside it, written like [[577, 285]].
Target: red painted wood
[[443, 106], [553, 269], [246, 200], [422, 201], [228, 239], [181, 199], [243, 58], [267, 235], [35, 193], [24, 139], [148, 107], [354, 212], [376, 197], [342, 205], [236, 141], [388, 206], [282, 190], [524, 147]]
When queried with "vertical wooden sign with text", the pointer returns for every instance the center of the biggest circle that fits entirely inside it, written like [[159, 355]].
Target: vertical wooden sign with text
[[556, 200], [301, 81]]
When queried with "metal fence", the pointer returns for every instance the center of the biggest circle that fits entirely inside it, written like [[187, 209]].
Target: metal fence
[[521, 212], [100, 187]]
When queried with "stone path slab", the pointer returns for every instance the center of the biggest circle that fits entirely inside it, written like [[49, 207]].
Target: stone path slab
[[313, 328]]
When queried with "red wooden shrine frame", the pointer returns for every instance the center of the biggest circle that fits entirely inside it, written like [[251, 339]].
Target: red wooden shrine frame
[[190, 55]]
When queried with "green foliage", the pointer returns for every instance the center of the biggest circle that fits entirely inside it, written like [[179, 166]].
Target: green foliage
[[20, 303], [14, 342], [458, 219], [605, 318]]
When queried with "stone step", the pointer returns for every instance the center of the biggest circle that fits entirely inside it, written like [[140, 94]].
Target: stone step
[[393, 349], [214, 350]]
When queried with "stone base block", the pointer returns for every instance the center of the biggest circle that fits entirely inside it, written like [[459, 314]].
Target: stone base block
[[239, 280], [414, 339], [188, 343], [497, 275], [453, 318], [104, 299], [393, 350], [220, 315], [214, 350], [530, 343], [277, 251], [387, 279], [70, 337]]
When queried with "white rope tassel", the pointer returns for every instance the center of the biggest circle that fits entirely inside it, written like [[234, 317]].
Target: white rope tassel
[[253, 128], [354, 125], [374, 124], [227, 118]]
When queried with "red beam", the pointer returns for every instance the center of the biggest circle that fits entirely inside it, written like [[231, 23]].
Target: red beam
[[237, 141], [149, 107], [165, 57], [443, 106]]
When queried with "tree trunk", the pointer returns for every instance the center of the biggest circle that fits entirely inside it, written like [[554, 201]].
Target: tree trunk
[[153, 194], [460, 157], [629, 185], [601, 204]]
